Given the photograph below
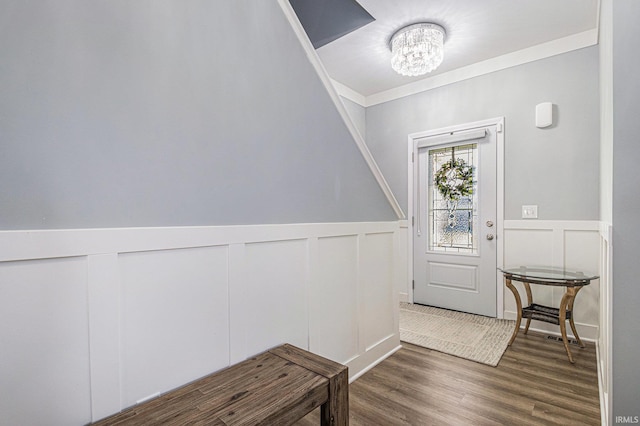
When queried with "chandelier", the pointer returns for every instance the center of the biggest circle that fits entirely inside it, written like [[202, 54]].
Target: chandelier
[[417, 49]]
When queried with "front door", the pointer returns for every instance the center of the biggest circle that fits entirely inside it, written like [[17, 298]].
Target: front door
[[455, 209]]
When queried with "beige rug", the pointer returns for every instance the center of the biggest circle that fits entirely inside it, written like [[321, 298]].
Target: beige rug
[[474, 337]]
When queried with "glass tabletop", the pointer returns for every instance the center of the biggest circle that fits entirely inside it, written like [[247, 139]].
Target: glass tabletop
[[550, 274]]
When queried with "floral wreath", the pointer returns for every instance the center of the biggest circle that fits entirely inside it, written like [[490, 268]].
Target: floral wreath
[[454, 179]]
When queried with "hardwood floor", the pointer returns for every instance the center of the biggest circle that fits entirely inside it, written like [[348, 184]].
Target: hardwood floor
[[534, 384]]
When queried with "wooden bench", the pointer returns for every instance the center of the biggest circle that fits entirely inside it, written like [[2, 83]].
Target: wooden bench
[[277, 387]]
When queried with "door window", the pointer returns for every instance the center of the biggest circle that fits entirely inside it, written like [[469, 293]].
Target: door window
[[453, 200]]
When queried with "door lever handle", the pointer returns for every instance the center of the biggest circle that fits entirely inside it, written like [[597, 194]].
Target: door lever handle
[[489, 237]]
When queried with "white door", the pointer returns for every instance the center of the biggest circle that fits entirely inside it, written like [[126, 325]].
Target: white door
[[455, 220]]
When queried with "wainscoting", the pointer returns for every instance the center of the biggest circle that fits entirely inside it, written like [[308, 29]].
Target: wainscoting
[[564, 244], [93, 321]]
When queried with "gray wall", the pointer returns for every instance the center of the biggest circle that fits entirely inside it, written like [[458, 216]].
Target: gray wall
[[117, 113], [357, 113], [626, 205], [556, 168]]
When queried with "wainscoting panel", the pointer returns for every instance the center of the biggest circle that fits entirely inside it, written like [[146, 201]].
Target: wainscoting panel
[[175, 318], [405, 292], [276, 295], [93, 321], [333, 321], [582, 253], [573, 245], [528, 247], [377, 298], [44, 352]]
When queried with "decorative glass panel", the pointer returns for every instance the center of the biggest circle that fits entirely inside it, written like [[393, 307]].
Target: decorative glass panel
[[453, 201]]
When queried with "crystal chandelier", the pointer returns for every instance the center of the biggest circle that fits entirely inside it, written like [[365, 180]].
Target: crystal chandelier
[[417, 49]]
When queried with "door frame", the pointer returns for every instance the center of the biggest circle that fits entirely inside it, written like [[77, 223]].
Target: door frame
[[499, 230]]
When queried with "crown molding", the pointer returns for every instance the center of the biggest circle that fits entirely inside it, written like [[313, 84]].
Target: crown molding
[[534, 53], [348, 93]]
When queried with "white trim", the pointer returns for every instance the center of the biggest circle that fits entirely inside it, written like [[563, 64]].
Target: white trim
[[605, 357], [534, 53], [349, 93], [604, 396], [500, 214], [567, 225], [412, 152], [373, 364], [457, 128], [452, 137], [598, 13], [103, 293], [43, 244], [380, 341], [404, 296], [314, 59]]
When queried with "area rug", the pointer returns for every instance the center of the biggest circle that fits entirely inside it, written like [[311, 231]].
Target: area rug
[[474, 337]]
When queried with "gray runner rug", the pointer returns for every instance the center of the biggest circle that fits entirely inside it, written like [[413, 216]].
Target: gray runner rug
[[474, 337]]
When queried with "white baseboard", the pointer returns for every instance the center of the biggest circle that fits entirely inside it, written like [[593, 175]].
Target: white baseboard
[[375, 356]]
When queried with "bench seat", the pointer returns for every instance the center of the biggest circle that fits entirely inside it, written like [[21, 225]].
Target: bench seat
[[277, 387]]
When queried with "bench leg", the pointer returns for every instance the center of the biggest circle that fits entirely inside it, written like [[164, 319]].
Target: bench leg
[[335, 412]]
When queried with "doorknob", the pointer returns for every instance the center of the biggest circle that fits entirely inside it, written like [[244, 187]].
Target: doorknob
[[489, 237]]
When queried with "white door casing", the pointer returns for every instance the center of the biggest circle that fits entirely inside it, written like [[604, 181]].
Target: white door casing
[[460, 279]]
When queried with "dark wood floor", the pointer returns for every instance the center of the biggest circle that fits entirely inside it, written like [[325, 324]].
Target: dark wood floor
[[534, 384]]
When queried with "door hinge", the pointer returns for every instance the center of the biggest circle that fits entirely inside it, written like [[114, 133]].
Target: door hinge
[[413, 221], [413, 284], [413, 157]]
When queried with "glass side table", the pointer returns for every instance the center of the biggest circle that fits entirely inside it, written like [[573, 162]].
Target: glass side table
[[527, 275]]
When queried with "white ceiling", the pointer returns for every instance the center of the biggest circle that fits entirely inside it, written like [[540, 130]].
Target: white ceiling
[[477, 30]]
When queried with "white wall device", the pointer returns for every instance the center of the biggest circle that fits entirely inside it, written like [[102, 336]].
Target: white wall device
[[544, 114]]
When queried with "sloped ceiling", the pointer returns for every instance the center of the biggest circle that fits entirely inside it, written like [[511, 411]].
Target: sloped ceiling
[[327, 20]]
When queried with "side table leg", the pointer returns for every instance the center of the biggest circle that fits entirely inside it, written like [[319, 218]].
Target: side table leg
[[566, 299], [527, 288], [516, 295], [573, 325]]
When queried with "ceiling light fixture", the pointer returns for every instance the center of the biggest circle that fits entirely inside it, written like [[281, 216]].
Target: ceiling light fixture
[[417, 49]]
